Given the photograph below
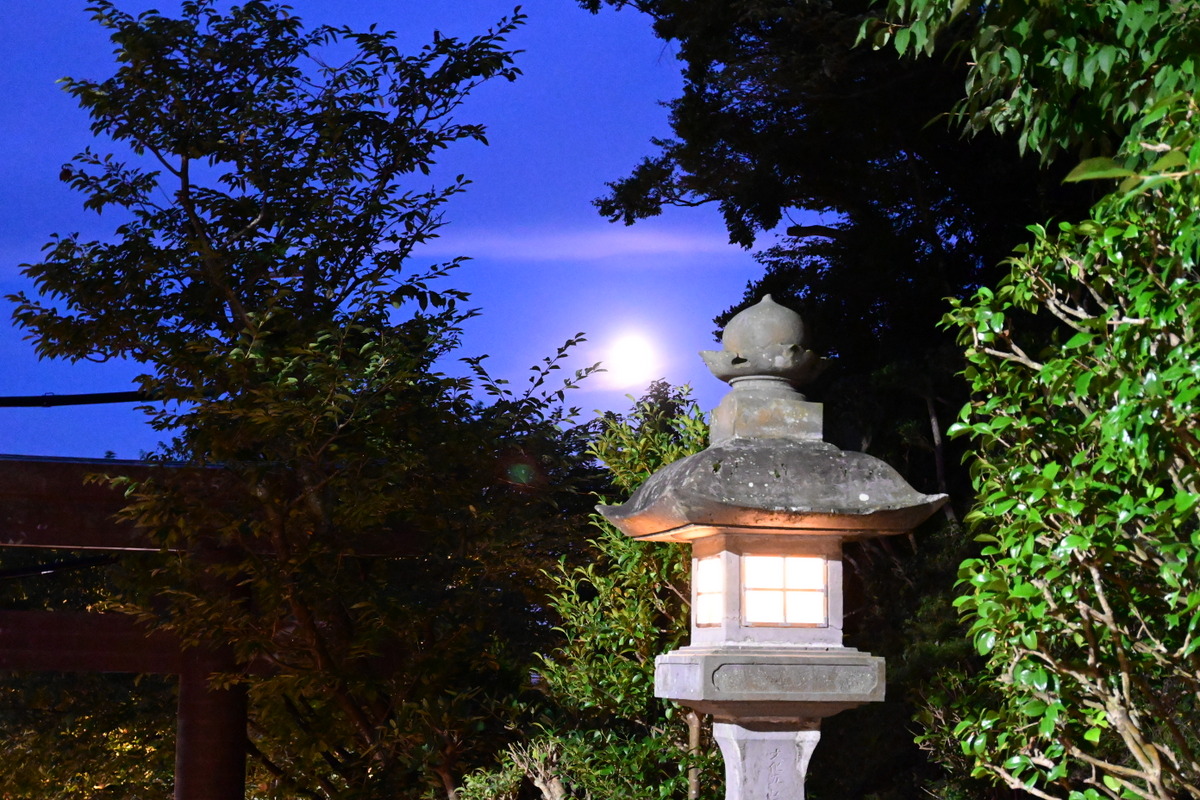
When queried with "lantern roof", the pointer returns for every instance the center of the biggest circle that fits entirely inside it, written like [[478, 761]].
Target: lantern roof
[[768, 469]]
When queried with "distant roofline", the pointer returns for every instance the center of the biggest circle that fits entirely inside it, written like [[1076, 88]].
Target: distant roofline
[[126, 462]]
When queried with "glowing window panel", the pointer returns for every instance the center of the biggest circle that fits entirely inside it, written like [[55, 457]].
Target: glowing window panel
[[806, 608], [710, 591], [805, 572], [763, 572], [762, 607], [708, 609], [783, 590]]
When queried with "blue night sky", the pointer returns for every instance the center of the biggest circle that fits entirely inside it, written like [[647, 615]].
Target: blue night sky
[[544, 264]]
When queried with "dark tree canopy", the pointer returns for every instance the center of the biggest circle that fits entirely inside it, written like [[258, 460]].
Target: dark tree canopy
[[265, 184], [849, 152], [366, 532]]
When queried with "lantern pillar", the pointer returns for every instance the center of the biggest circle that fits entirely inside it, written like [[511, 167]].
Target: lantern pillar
[[766, 760]]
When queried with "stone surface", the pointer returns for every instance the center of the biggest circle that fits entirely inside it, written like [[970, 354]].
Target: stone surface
[[767, 467], [763, 325], [785, 485], [766, 339], [766, 409], [798, 680], [769, 486], [779, 683], [764, 760]]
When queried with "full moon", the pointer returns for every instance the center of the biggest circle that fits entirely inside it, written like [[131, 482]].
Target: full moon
[[631, 362]]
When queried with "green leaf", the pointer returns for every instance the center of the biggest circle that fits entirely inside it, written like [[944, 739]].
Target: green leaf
[[1106, 57], [1171, 160], [1146, 184], [1013, 57], [1033, 708], [1097, 168]]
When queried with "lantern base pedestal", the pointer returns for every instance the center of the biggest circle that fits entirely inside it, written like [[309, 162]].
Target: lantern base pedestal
[[766, 760], [767, 705], [778, 683]]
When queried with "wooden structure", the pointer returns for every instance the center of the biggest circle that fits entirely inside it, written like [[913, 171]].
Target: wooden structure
[[45, 503]]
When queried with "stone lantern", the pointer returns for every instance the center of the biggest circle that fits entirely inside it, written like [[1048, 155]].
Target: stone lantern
[[766, 508]]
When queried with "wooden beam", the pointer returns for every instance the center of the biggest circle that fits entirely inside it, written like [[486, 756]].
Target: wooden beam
[[65, 641], [45, 502]]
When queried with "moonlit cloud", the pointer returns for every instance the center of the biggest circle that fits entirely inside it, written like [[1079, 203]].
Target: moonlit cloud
[[533, 245]]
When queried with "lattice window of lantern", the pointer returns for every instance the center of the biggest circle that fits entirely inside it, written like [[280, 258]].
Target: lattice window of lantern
[[784, 590], [710, 591]]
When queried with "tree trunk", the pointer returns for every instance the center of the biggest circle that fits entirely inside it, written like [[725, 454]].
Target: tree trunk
[[551, 787], [693, 723], [939, 455], [448, 782]]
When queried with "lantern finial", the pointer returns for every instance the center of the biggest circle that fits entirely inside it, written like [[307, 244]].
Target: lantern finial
[[765, 340], [763, 358]]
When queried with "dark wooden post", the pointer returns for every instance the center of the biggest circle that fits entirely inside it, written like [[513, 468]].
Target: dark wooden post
[[210, 741]]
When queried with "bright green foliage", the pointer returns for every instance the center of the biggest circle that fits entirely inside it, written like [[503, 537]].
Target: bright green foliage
[[374, 539], [1083, 361], [601, 732], [1066, 76], [1087, 597]]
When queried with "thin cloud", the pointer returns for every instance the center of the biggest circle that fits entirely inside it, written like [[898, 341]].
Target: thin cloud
[[575, 245]]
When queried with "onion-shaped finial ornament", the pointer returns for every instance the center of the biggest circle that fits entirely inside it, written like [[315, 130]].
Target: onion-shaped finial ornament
[[764, 341]]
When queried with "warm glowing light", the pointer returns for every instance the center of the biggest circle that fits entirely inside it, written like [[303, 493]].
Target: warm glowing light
[[763, 608], [710, 591], [806, 608], [631, 361], [806, 573], [709, 575], [783, 590], [763, 572]]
